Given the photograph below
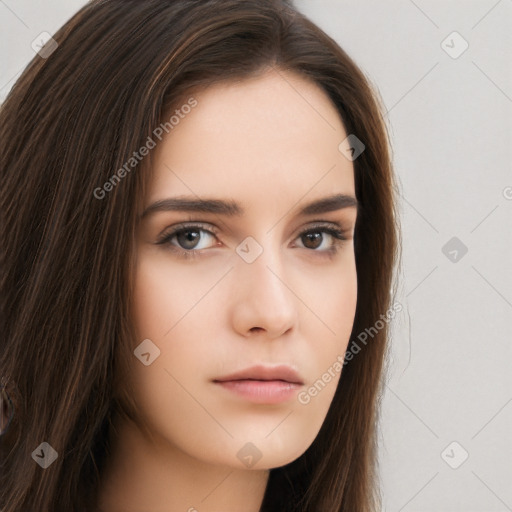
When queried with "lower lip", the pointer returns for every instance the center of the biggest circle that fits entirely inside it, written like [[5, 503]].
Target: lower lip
[[262, 391]]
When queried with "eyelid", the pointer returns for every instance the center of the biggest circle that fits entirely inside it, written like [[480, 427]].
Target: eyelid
[[189, 225], [182, 226], [344, 228]]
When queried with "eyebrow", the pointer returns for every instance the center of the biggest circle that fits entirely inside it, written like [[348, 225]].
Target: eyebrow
[[232, 208]]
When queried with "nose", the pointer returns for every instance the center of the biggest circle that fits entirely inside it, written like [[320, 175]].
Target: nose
[[263, 302]]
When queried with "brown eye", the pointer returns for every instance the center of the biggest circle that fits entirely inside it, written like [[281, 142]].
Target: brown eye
[[322, 239]]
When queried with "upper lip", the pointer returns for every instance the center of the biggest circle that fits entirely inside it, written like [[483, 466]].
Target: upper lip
[[261, 372]]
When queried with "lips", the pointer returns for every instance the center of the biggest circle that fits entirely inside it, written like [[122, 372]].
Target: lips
[[282, 373], [264, 385]]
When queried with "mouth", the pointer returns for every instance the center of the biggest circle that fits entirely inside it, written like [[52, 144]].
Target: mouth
[[263, 384]]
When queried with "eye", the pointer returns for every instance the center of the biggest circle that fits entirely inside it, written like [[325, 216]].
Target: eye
[[186, 239], [322, 238]]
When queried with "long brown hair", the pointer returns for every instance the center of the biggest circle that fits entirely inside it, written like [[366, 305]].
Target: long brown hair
[[76, 116]]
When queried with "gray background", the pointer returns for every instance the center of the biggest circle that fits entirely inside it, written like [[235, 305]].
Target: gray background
[[449, 378]]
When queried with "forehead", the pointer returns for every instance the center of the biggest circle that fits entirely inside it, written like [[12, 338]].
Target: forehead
[[272, 137]]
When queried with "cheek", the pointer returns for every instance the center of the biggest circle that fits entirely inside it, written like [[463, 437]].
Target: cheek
[[152, 290], [165, 308], [166, 305], [164, 295], [328, 333], [343, 307], [331, 298]]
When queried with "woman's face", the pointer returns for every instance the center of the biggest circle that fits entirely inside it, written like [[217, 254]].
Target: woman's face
[[251, 284]]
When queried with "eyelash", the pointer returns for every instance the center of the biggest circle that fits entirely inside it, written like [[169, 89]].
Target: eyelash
[[338, 235]]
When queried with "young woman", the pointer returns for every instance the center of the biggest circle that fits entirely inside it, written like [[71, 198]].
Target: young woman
[[198, 216]]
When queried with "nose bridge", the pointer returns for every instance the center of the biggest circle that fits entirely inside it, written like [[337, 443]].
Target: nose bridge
[[265, 301]]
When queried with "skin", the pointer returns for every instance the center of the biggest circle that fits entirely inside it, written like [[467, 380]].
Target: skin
[[269, 143]]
